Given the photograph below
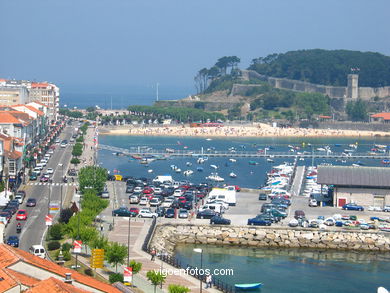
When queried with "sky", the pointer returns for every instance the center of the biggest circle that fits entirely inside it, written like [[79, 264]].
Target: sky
[[81, 44]]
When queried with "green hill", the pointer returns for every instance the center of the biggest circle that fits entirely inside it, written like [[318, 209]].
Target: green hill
[[327, 67]]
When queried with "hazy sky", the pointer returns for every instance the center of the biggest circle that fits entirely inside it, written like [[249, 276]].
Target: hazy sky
[[140, 42]]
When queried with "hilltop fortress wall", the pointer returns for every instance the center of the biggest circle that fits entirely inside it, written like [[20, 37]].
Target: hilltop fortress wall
[[350, 92]]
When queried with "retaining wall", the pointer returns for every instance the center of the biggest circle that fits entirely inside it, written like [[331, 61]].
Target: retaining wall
[[166, 237]]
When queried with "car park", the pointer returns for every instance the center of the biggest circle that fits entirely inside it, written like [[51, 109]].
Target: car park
[[219, 220], [352, 207], [31, 202], [13, 241], [21, 215]]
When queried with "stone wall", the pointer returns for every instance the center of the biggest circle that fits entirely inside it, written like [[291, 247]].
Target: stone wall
[[166, 237], [354, 126], [208, 106]]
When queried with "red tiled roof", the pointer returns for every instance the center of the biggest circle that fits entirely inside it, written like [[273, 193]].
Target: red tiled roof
[[22, 278], [324, 117], [53, 285], [385, 116], [12, 155], [2, 80], [10, 255], [40, 103], [6, 118]]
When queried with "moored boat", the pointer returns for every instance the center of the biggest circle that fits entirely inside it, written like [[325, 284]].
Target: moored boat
[[248, 286], [232, 175]]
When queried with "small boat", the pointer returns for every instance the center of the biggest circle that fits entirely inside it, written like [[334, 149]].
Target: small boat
[[199, 169], [270, 161], [200, 160], [188, 172], [382, 290], [248, 286], [252, 163], [188, 164], [232, 175], [177, 170], [208, 139], [386, 161], [233, 160], [214, 166], [150, 171]]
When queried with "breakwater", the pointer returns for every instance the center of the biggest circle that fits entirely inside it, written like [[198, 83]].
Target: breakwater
[[167, 236]]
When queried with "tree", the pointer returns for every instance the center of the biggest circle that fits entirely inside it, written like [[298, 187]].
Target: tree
[[99, 242], [137, 266], [65, 215], [55, 232], [357, 111], [116, 254], [91, 109], [155, 278], [88, 234], [92, 177], [172, 288], [115, 277], [75, 161]]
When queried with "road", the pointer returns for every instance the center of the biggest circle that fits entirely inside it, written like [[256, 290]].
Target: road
[[34, 228]]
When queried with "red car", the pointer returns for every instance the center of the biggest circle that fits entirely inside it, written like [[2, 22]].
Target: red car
[[148, 190], [238, 189], [134, 211], [182, 199], [21, 215], [44, 179]]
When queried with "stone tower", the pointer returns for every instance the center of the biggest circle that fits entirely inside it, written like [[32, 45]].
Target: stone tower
[[353, 86]]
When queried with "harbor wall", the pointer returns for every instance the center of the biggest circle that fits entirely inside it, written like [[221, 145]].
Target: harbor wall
[[166, 237]]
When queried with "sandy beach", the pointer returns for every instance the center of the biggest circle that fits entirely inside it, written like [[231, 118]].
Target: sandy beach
[[255, 130]]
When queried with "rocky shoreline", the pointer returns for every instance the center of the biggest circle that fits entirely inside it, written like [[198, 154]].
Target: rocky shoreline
[[167, 236]]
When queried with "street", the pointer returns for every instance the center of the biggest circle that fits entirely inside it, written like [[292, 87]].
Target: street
[[34, 227]]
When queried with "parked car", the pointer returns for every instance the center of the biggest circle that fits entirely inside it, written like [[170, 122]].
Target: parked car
[[262, 196], [20, 195], [105, 194], [167, 202], [13, 241], [170, 213], [122, 212], [259, 221], [21, 215], [313, 202], [154, 202], [147, 214], [206, 214], [31, 202], [219, 220], [72, 172], [386, 208], [183, 214], [129, 189], [134, 212], [160, 211], [143, 201], [352, 207], [299, 214], [33, 176], [134, 199]]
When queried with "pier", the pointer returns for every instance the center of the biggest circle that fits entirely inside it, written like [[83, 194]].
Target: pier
[[149, 152]]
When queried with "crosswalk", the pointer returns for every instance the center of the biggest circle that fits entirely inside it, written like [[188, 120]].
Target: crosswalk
[[53, 184]]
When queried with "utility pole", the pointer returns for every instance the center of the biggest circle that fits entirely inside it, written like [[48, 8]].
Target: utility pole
[[157, 92]]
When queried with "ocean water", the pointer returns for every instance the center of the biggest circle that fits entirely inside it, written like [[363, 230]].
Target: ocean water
[[294, 270], [119, 97], [250, 176]]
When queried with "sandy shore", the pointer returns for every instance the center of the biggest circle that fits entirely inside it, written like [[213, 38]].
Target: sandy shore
[[257, 130]]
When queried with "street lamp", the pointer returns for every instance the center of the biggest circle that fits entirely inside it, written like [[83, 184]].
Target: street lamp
[[62, 175], [200, 250], [128, 243]]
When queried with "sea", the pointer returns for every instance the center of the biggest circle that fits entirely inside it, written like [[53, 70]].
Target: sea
[[119, 97], [283, 270]]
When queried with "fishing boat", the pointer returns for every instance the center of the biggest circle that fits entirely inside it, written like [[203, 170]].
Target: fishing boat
[[188, 172], [248, 286], [232, 175], [215, 177], [386, 161]]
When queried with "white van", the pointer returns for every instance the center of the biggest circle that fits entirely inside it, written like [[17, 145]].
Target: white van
[[218, 208], [163, 178], [38, 250], [227, 194]]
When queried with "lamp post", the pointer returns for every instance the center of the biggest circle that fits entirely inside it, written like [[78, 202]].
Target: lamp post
[[128, 243], [200, 250]]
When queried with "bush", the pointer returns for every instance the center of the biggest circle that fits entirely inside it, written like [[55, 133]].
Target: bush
[[88, 272], [116, 277], [56, 232], [80, 139], [53, 245], [66, 247], [66, 255], [65, 215], [75, 161]]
